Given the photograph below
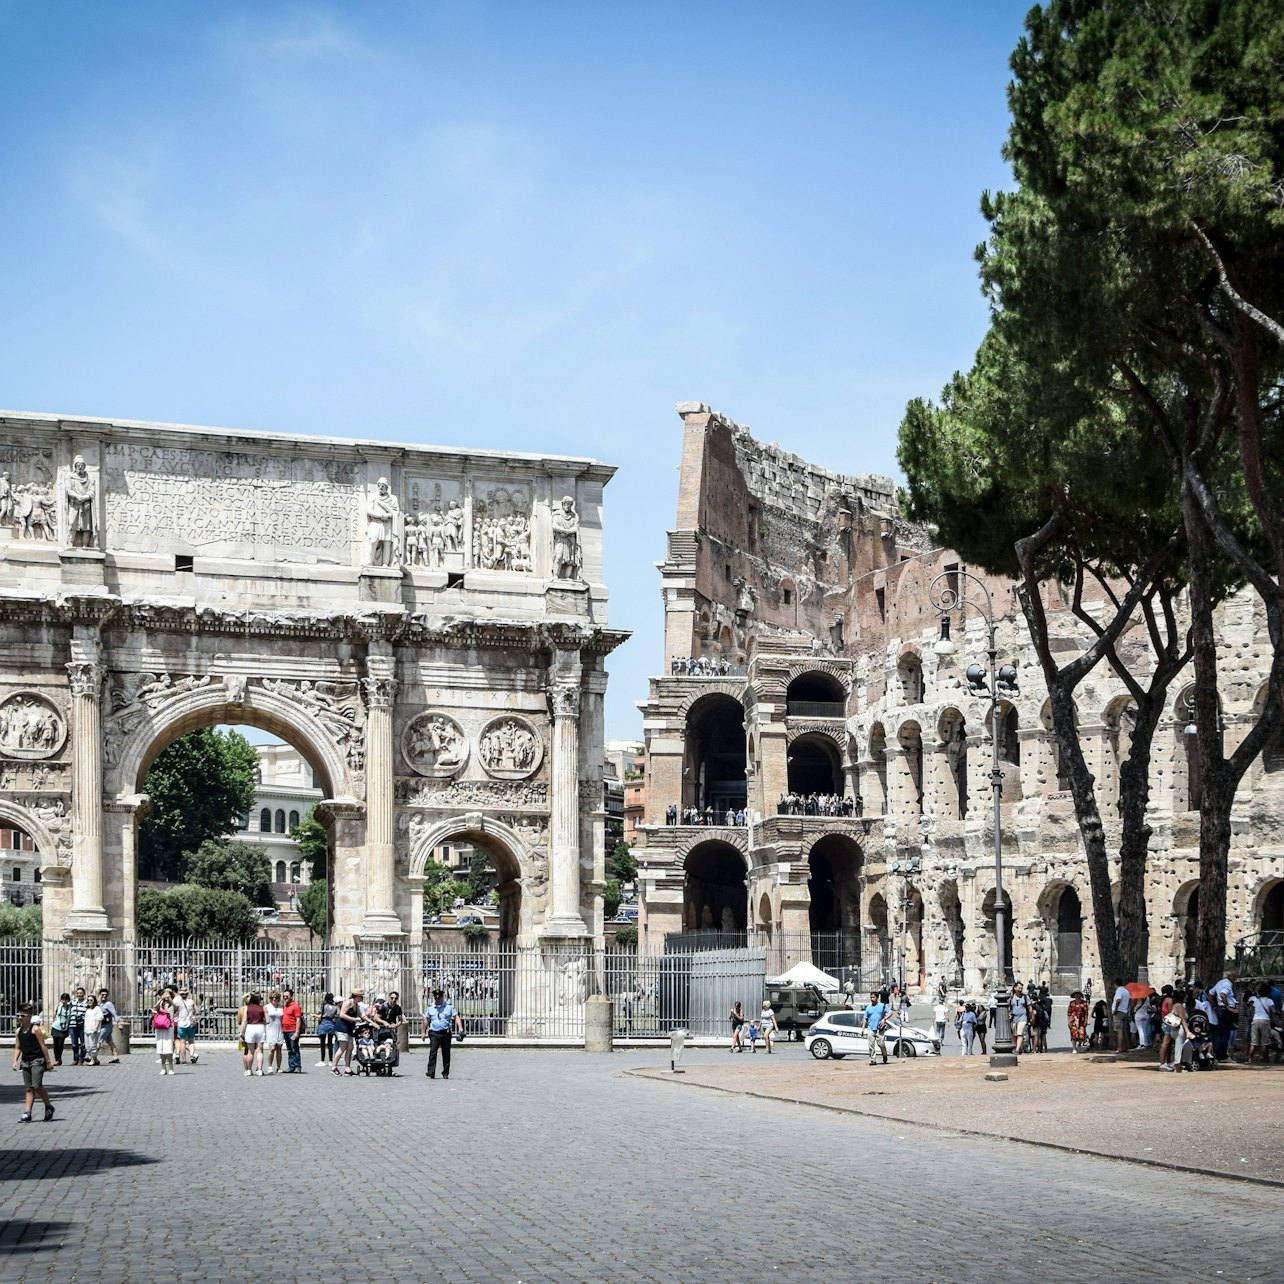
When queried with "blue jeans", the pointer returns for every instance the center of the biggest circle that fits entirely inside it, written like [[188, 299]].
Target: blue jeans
[[77, 1033], [293, 1060]]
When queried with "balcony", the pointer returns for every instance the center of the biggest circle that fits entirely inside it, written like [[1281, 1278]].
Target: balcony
[[816, 709]]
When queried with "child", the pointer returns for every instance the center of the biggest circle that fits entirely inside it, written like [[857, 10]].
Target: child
[[753, 1036], [29, 1049], [365, 1043]]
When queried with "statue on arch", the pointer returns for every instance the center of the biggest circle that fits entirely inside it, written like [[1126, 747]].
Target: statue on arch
[[568, 559], [382, 512], [80, 494]]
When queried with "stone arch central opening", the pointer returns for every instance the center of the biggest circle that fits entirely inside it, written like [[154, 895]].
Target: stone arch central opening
[[815, 766], [834, 867]]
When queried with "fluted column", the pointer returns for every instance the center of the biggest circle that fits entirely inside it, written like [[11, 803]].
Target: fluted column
[[85, 678], [564, 873], [380, 687]]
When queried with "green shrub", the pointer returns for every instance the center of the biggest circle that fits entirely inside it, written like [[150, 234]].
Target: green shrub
[[627, 934], [201, 912]]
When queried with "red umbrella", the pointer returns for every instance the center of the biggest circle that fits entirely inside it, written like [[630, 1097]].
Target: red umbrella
[[1138, 990]]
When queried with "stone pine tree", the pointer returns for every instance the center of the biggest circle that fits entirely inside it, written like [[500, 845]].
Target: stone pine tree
[[1135, 276], [199, 787]]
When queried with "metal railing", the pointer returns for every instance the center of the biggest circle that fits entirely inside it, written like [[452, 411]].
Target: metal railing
[[815, 709], [1260, 954]]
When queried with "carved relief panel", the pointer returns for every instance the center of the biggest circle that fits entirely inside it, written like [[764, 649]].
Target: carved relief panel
[[30, 727], [434, 745], [27, 504], [435, 526], [502, 527], [510, 748]]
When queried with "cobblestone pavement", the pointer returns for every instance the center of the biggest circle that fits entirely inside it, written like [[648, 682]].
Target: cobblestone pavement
[[553, 1166]]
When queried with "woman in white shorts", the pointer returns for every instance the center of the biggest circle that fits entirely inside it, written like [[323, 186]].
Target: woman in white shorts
[[253, 1032], [163, 1029], [274, 1035]]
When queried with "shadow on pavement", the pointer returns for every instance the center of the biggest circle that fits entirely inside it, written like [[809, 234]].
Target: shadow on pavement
[[21, 1235], [12, 1094], [37, 1165]]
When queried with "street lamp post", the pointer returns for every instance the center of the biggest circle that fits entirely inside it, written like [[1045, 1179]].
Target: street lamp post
[[946, 595], [906, 869]]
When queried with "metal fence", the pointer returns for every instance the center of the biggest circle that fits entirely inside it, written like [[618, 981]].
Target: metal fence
[[501, 990]]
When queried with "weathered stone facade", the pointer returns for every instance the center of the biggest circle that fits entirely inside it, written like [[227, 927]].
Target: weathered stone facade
[[427, 626], [806, 597]]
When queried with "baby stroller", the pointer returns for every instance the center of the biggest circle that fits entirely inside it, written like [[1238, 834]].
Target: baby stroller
[[1198, 1052], [377, 1057]]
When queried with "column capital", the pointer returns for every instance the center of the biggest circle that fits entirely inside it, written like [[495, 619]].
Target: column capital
[[564, 700], [380, 691], [85, 677]]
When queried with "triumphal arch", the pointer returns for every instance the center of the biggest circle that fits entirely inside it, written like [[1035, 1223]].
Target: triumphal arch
[[428, 626]]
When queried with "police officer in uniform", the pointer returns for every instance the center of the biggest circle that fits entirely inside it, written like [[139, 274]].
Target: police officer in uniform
[[440, 1020]]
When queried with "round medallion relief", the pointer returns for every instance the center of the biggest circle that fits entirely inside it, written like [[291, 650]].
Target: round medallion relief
[[510, 748], [434, 745], [30, 727]]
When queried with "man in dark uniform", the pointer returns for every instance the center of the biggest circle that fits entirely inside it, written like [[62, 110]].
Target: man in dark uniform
[[440, 1020]]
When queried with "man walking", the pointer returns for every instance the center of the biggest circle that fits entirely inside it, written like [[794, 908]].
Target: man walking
[[1020, 1008], [184, 1028], [440, 1020], [1120, 1015], [875, 1019], [292, 1025]]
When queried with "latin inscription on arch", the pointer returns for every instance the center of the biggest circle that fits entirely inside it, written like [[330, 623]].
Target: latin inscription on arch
[[229, 504]]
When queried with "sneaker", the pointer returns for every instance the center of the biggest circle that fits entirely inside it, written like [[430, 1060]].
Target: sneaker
[[164, 1073], [248, 1073], [1164, 1065], [173, 1072], [258, 1074], [321, 1065], [195, 1059], [49, 1113], [26, 1117]]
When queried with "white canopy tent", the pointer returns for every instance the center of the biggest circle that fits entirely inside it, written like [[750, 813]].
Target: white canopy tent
[[809, 974]]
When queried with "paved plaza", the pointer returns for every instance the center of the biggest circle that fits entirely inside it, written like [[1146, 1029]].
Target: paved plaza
[[535, 1165]]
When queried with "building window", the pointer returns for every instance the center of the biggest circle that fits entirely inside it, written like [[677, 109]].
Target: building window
[[294, 820], [280, 871], [789, 596], [296, 872], [280, 820], [37, 874], [265, 821], [17, 874]]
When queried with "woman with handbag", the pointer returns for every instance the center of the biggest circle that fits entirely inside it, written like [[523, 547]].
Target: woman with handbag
[[93, 1027], [163, 1029]]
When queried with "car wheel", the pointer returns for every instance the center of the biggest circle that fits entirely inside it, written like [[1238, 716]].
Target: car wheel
[[905, 1050], [821, 1050]]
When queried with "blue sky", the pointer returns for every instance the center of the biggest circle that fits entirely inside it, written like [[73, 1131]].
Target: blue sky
[[527, 226]]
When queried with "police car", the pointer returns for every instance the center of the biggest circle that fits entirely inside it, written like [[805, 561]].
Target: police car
[[842, 1034]]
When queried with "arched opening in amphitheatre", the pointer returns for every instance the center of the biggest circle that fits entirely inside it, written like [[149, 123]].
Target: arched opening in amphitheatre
[[714, 892], [834, 867], [814, 765], [713, 770]]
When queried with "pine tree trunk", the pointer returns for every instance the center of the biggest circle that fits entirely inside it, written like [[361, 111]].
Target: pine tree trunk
[[1090, 827], [1134, 841]]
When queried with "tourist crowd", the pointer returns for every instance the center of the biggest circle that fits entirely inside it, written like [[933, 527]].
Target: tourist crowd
[[792, 804], [691, 667]]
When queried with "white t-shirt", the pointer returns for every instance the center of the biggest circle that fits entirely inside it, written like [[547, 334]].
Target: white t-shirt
[[1203, 1005], [1121, 1001], [184, 1013], [1262, 1008], [274, 1015], [1223, 991], [939, 1014]]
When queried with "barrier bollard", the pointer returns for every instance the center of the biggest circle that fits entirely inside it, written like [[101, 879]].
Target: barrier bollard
[[677, 1045], [120, 1038], [598, 1015], [403, 1036]]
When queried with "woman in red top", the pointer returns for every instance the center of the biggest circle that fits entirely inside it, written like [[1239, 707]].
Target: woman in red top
[[253, 1033]]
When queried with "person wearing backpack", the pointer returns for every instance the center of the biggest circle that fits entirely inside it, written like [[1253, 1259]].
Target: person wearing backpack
[[325, 1030]]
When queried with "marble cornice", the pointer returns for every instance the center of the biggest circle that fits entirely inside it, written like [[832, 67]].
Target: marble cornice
[[361, 625]]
